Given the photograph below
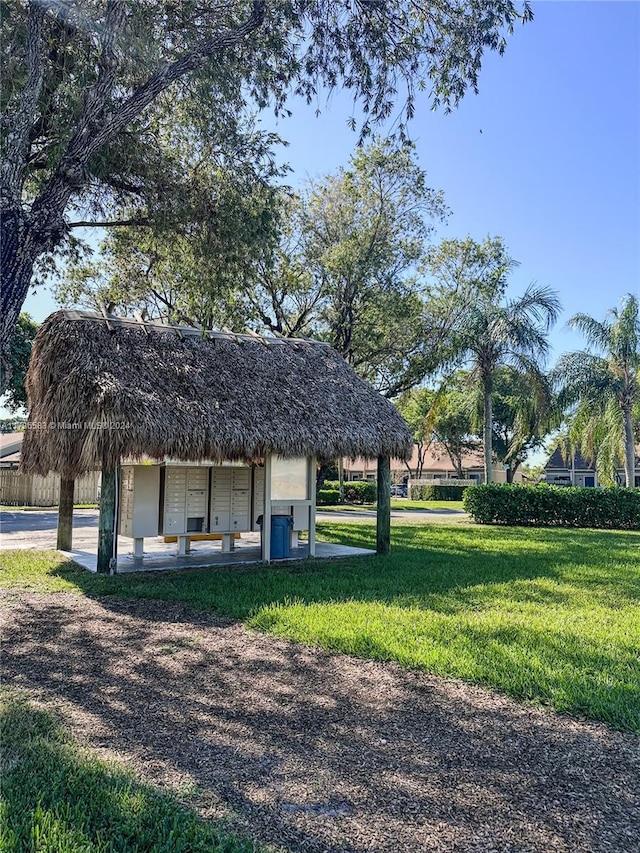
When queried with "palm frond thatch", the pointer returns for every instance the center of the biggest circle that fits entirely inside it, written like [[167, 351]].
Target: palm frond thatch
[[101, 391]]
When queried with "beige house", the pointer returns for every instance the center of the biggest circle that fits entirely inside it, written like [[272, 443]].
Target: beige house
[[436, 466]]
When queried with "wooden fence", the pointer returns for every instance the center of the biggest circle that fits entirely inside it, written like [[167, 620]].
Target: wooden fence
[[34, 490]]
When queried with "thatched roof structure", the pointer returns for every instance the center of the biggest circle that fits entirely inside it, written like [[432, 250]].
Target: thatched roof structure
[[101, 390]]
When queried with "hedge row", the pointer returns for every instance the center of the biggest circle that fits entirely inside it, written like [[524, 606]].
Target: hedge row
[[355, 491], [554, 506], [437, 493], [328, 497]]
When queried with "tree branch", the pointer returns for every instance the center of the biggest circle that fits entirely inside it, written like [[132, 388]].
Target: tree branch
[[101, 121], [109, 223], [19, 126]]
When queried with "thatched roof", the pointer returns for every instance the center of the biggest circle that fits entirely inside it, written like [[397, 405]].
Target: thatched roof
[[103, 390]]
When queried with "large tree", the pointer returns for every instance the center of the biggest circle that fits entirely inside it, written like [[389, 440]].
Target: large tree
[[442, 417], [192, 272], [344, 268], [495, 331], [601, 387], [523, 415], [79, 77], [347, 272]]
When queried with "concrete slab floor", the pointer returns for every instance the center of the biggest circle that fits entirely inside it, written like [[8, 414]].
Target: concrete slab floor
[[162, 556]]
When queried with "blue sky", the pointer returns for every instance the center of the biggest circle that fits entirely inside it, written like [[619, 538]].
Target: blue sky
[[556, 169]]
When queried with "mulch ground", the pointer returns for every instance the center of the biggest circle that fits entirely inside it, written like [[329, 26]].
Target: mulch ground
[[304, 750]]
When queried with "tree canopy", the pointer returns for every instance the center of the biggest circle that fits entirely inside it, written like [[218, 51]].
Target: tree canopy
[[337, 262], [523, 414], [85, 80], [18, 360], [492, 330]]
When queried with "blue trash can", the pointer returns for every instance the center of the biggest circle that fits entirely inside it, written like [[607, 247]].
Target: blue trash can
[[280, 539]]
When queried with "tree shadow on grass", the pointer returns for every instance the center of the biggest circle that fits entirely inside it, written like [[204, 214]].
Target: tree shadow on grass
[[541, 619], [57, 797], [315, 752]]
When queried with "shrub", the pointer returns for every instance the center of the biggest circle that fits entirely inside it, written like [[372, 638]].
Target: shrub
[[328, 497], [554, 506], [437, 493], [361, 492], [356, 491]]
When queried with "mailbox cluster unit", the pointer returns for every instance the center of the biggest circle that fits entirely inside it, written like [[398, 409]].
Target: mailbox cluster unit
[[184, 501]]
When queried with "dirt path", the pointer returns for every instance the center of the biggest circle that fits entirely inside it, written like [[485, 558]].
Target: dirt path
[[309, 751]]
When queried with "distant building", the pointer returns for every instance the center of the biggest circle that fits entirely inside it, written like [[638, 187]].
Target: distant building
[[436, 466], [562, 471]]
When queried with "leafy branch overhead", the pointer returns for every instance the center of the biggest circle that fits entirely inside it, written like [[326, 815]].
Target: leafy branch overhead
[[338, 262], [82, 78]]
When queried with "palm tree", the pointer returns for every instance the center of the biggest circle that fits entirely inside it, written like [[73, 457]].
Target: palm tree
[[507, 333], [523, 413], [604, 387]]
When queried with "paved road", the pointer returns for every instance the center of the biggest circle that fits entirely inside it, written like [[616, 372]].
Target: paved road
[[37, 529], [368, 514]]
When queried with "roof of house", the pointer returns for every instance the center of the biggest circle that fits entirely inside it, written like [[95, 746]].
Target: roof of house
[[435, 459], [558, 461], [103, 389], [10, 444]]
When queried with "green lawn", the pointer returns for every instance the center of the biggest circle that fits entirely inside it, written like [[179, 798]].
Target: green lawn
[[57, 798], [545, 615], [396, 503]]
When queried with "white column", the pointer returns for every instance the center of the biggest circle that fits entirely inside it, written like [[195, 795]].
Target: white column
[[266, 516], [312, 507]]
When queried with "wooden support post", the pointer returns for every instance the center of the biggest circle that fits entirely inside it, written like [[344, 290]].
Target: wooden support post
[[383, 543], [312, 507], [107, 520], [266, 516], [65, 515]]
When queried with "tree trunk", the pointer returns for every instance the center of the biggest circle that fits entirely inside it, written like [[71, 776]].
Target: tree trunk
[[629, 451], [16, 271], [65, 515], [383, 538], [107, 543], [487, 437]]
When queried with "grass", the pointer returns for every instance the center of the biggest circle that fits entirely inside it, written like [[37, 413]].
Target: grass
[[405, 503], [58, 798], [549, 616], [397, 504]]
